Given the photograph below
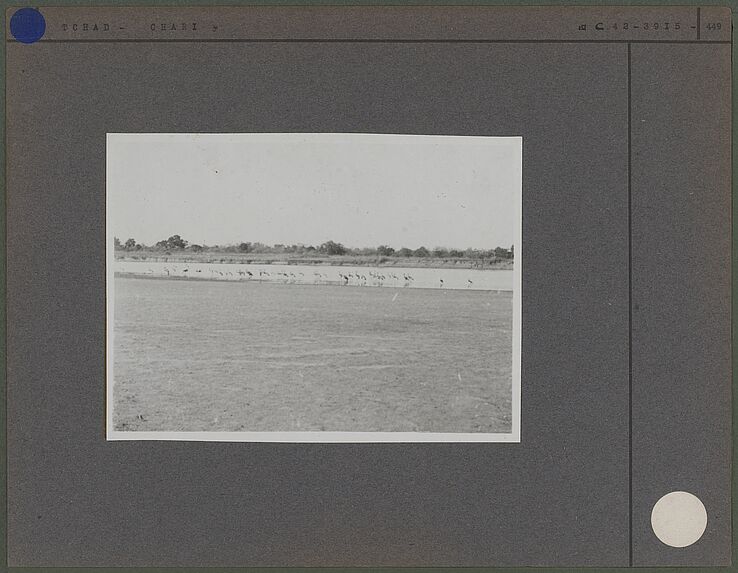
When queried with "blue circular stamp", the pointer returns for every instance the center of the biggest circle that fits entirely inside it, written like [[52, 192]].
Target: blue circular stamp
[[27, 25]]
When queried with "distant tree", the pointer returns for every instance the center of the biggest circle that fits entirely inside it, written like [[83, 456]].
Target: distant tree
[[139, 246], [405, 252], [456, 254], [130, 244], [196, 248], [332, 248], [421, 252], [440, 252], [172, 243], [117, 244], [176, 242], [244, 247], [385, 251]]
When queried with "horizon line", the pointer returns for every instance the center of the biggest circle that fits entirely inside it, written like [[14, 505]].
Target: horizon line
[[316, 245]]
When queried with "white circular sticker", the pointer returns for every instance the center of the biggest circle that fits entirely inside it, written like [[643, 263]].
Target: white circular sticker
[[679, 519]]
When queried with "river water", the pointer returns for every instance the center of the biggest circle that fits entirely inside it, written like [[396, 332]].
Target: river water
[[395, 277]]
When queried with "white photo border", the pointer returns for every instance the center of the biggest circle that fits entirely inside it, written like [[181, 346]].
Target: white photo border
[[320, 436]]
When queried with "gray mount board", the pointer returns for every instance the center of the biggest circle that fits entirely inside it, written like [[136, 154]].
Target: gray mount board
[[626, 285]]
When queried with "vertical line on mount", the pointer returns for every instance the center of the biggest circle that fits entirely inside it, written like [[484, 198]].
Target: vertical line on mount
[[630, 327]]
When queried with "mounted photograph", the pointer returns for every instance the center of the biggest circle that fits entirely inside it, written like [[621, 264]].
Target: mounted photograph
[[313, 287]]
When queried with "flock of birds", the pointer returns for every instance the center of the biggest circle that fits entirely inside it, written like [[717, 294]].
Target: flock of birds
[[370, 278]]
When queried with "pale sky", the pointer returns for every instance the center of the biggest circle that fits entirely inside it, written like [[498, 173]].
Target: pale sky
[[357, 189]]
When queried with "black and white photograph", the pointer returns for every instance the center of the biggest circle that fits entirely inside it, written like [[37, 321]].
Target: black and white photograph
[[313, 287]]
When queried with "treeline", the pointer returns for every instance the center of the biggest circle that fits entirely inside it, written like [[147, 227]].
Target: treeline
[[331, 248]]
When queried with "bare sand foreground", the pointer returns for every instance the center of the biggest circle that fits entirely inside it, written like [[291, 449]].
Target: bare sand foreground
[[239, 356]]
